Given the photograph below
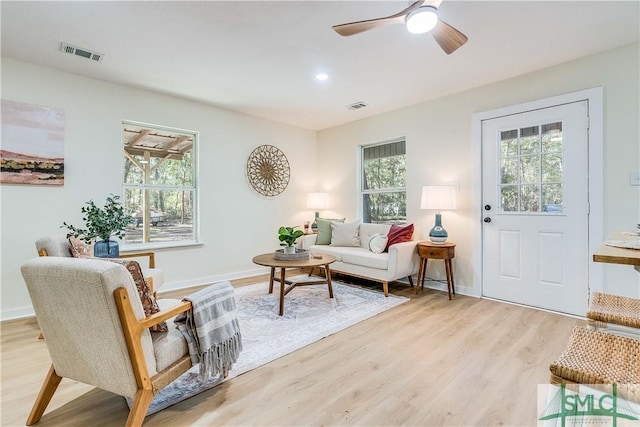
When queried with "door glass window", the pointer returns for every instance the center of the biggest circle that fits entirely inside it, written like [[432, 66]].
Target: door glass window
[[531, 175]]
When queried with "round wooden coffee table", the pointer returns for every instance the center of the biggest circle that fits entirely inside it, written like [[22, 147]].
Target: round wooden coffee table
[[269, 260]]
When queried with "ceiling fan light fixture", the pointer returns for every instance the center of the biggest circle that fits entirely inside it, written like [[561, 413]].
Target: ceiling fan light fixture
[[422, 20]]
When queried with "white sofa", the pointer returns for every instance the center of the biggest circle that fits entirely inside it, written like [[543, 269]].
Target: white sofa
[[399, 262]]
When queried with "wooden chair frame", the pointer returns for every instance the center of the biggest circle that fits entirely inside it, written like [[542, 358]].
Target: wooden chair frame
[[147, 386]]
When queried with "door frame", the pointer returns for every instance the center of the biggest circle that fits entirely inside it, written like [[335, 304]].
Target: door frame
[[595, 102]]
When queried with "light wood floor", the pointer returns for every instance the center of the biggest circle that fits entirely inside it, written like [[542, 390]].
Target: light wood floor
[[428, 362]]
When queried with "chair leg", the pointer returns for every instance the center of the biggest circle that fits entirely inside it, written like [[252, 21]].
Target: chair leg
[[140, 406], [410, 281], [49, 387], [385, 288]]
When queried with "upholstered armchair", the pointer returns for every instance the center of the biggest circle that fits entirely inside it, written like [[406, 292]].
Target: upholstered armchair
[[58, 245], [103, 338]]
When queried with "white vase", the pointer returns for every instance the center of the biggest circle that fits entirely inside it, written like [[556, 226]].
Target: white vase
[[289, 250]]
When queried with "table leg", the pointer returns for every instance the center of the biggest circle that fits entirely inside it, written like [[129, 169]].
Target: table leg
[[271, 276], [327, 273], [453, 286], [447, 267], [419, 277], [282, 284], [424, 272]]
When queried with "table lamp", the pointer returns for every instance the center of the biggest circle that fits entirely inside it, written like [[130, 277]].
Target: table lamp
[[438, 197], [317, 201]]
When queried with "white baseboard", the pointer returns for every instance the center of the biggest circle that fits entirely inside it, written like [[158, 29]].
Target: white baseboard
[[173, 286], [17, 313], [438, 286]]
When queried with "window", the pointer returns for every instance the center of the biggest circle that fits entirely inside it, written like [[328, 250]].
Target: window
[[159, 184], [531, 175], [384, 180]]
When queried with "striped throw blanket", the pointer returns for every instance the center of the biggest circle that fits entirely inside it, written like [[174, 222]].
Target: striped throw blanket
[[211, 329]]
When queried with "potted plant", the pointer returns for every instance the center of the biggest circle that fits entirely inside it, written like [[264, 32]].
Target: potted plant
[[288, 237], [102, 223]]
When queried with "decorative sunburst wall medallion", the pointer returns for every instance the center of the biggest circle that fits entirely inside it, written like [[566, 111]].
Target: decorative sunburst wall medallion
[[268, 170]]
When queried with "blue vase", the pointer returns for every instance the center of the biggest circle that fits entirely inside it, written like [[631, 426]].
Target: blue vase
[[438, 234], [106, 249]]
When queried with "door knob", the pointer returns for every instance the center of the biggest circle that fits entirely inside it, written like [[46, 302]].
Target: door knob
[[487, 207], [487, 220]]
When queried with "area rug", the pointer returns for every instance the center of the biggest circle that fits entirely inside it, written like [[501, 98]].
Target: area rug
[[309, 315]]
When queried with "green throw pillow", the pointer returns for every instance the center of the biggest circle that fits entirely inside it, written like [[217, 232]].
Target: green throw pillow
[[324, 230]]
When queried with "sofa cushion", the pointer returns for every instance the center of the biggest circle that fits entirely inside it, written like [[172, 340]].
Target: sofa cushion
[[324, 230], [336, 251], [54, 245], [367, 259], [345, 234], [378, 243], [398, 234], [169, 346], [368, 230]]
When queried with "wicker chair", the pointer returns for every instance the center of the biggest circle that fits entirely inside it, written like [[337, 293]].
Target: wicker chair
[[103, 338], [615, 314], [593, 357]]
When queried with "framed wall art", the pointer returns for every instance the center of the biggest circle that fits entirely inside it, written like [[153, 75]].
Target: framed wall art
[[32, 144]]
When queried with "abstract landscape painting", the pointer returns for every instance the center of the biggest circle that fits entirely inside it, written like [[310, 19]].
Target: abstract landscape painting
[[32, 149]]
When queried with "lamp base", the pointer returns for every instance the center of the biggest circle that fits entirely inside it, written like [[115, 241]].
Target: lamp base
[[438, 234], [314, 225], [438, 240]]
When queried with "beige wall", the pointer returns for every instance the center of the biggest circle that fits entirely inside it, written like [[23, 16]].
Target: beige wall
[[439, 148], [236, 223]]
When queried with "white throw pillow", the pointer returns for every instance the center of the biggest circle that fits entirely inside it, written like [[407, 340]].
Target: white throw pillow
[[377, 243], [346, 234]]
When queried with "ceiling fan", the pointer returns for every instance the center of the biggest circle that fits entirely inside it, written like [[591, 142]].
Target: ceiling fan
[[420, 17]]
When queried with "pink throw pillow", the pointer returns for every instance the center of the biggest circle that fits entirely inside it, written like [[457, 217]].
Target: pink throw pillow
[[399, 234], [79, 249]]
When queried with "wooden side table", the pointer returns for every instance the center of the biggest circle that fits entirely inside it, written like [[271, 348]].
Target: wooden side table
[[445, 251]]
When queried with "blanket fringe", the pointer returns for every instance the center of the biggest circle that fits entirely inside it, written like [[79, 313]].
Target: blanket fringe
[[220, 357]]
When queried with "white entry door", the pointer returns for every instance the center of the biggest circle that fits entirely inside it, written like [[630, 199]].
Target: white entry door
[[535, 208]]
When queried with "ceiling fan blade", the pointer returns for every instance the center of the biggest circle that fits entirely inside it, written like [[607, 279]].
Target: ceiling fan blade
[[361, 26], [448, 37], [434, 3]]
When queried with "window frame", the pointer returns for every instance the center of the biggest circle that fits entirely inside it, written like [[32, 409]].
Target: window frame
[[194, 188], [360, 177]]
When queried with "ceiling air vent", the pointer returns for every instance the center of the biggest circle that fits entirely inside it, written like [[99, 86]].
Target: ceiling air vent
[[82, 52], [356, 106]]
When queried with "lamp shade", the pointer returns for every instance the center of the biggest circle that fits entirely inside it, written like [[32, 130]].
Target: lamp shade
[[438, 197], [318, 201]]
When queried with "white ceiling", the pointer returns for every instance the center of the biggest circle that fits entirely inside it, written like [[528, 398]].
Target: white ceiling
[[260, 57]]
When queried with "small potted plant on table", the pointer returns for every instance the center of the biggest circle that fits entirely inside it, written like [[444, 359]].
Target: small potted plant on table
[[102, 223], [288, 237]]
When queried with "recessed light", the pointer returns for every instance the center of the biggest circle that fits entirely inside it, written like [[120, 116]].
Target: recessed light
[[322, 76]]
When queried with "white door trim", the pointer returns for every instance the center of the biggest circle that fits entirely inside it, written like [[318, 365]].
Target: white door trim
[[596, 176]]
